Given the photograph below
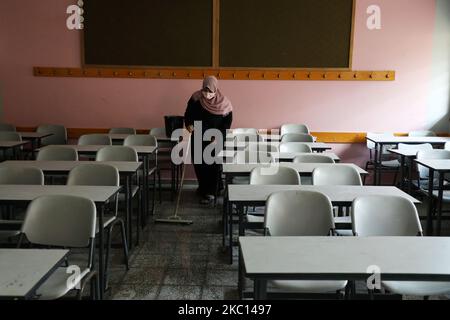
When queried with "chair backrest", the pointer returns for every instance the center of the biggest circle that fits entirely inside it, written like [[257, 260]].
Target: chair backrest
[[253, 157], [245, 131], [94, 174], [60, 220], [313, 158], [294, 128], [337, 175], [424, 133], [10, 136], [430, 155], [385, 216], [283, 176], [57, 153], [247, 137], [158, 132], [116, 153], [141, 140], [262, 147], [297, 137], [7, 127], [59, 134], [122, 131], [415, 147], [21, 175], [94, 140], [295, 147], [447, 146], [299, 213]]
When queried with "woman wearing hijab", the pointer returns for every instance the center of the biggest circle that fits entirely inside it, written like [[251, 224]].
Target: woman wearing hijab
[[215, 111]]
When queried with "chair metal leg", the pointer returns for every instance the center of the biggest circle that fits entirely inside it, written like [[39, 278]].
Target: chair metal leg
[[108, 248], [160, 186]]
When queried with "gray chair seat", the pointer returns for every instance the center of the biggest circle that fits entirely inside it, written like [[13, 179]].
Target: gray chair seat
[[391, 164], [58, 285], [305, 286], [241, 180], [107, 220], [6, 234], [255, 219], [415, 288]]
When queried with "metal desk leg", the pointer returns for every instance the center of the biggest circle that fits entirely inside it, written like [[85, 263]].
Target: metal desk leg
[[410, 175], [440, 201], [230, 233], [241, 277], [375, 166], [225, 210], [128, 197], [402, 172], [260, 289], [101, 273], [430, 204]]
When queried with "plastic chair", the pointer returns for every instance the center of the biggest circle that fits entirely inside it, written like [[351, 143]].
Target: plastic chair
[[151, 141], [248, 138], [262, 147], [313, 158], [123, 153], [7, 127], [337, 175], [245, 131], [295, 148], [122, 131], [57, 153], [59, 134], [283, 176], [393, 216], [301, 213], [68, 222], [17, 176], [116, 153], [389, 162], [10, 136], [297, 137], [94, 174], [424, 172], [94, 140], [247, 156], [21, 175], [294, 128], [422, 134]]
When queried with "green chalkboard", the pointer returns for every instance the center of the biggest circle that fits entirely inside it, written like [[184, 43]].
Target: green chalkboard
[[148, 33], [286, 33]]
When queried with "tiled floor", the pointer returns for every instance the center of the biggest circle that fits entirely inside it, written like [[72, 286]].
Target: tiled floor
[[180, 262], [176, 261]]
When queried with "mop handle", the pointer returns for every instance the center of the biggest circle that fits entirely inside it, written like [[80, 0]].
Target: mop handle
[[182, 175]]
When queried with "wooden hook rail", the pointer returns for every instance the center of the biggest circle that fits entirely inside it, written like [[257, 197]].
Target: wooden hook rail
[[224, 74]]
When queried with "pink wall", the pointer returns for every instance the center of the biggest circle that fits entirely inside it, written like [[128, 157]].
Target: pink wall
[[33, 33]]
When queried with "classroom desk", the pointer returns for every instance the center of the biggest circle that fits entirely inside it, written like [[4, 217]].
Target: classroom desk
[[342, 258], [257, 195], [11, 145], [407, 158], [228, 155], [126, 169], [441, 167], [382, 141], [315, 146], [23, 271], [143, 151], [100, 195], [35, 139]]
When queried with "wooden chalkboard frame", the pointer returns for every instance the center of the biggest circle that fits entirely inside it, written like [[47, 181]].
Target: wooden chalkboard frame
[[215, 49], [273, 74]]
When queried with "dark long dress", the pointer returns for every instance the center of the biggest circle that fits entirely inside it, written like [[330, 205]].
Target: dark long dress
[[207, 174]]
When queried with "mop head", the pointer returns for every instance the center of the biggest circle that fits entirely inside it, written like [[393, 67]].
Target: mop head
[[174, 220]]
